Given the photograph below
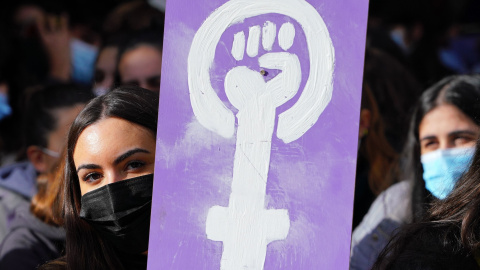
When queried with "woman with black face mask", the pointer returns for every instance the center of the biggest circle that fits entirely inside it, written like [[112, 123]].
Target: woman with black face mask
[[109, 180]]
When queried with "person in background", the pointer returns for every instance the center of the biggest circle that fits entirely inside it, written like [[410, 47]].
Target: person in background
[[52, 48], [448, 238], [389, 95], [140, 61], [128, 25], [411, 31], [376, 162], [395, 91], [48, 118], [443, 131], [105, 70], [133, 17], [106, 65], [36, 235], [10, 95], [110, 159]]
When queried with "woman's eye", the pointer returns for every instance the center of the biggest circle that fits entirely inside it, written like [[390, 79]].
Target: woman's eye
[[92, 177], [132, 165], [429, 144], [458, 141]]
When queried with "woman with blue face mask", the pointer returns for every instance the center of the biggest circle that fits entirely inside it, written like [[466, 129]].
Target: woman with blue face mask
[[447, 139], [444, 129], [448, 237]]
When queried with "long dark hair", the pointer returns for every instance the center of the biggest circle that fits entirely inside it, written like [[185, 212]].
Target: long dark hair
[[448, 238], [462, 92], [375, 147], [85, 249]]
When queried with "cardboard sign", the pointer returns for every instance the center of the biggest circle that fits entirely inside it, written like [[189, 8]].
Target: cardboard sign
[[257, 134]]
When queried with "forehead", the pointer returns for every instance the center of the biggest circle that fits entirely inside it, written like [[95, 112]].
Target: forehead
[[104, 140], [64, 118], [143, 61], [443, 120], [107, 58]]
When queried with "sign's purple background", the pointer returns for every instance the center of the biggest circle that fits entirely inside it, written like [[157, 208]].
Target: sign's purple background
[[312, 177]]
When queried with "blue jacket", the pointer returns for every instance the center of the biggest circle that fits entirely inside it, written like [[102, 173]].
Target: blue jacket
[[390, 210]]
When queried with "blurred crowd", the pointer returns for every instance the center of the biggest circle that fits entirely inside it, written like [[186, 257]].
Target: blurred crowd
[[55, 56], [418, 126], [50, 42]]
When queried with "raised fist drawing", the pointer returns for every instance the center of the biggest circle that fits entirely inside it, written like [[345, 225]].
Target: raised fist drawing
[[256, 101], [244, 85], [246, 227]]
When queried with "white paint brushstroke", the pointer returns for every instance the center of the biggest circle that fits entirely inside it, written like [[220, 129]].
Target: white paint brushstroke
[[285, 85], [286, 36], [196, 140], [293, 123], [245, 227], [253, 40], [269, 33], [238, 46], [246, 216]]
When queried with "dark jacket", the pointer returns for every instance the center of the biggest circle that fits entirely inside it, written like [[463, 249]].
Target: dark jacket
[[30, 242]]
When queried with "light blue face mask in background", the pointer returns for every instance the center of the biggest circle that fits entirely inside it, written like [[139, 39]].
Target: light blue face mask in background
[[5, 109], [83, 56], [442, 169]]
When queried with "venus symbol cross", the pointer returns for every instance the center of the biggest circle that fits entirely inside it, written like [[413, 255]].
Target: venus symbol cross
[[246, 227]]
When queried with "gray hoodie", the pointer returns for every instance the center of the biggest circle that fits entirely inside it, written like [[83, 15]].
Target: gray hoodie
[[30, 242], [17, 186]]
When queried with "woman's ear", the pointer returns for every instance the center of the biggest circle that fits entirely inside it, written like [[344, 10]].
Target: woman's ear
[[365, 122], [36, 156]]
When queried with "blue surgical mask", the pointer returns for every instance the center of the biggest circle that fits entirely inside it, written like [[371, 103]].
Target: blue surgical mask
[[83, 56], [398, 36], [5, 109], [442, 169]]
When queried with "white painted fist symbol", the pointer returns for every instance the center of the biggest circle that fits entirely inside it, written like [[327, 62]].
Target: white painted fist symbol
[[243, 84]]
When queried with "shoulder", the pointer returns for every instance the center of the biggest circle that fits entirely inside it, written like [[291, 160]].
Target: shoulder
[[10, 199], [390, 210], [28, 232], [19, 238], [18, 251], [393, 204], [364, 253], [9, 203], [398, 201], [24, 248]]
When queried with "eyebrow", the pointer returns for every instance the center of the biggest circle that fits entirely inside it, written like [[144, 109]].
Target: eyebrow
[[116, 161], [129, 153], [89, 167], [457, 132]]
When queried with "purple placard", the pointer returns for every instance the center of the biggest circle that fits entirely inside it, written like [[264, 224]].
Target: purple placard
[[257, 134]]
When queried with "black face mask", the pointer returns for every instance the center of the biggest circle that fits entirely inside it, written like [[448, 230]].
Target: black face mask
[[120, 212]]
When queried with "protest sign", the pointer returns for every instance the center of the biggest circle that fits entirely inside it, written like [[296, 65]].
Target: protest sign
[[257, 134]]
